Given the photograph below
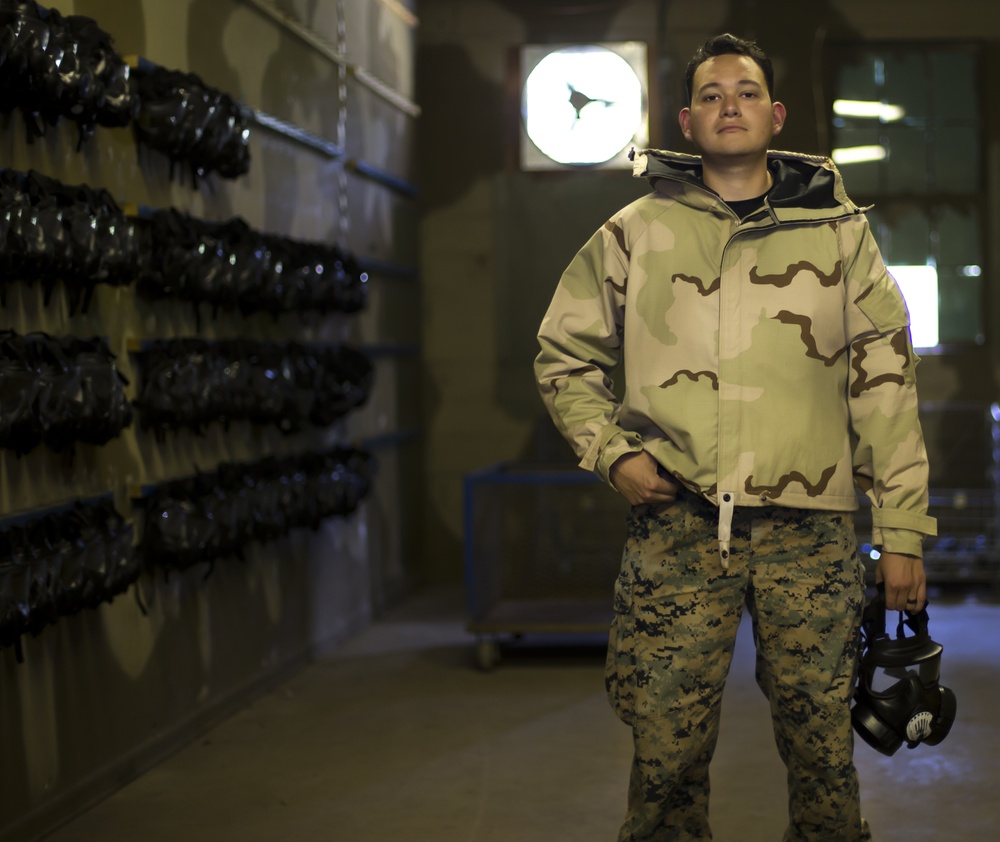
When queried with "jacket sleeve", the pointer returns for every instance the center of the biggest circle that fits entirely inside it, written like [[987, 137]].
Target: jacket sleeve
[[581, 343], [890, 459]]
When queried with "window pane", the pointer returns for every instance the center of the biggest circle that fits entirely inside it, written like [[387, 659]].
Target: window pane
[[919, 286], [959, 242], [860, 179], [906, 83], [911, 239], [960, 274], [928, 188], [954, 85], [961, 307], [881, 234], [856, 80], [907, 163], [955, 160]]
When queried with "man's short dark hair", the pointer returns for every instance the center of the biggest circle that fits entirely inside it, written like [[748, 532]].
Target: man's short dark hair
[[727, 44]]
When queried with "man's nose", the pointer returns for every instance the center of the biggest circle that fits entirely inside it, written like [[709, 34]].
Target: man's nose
[[731, 107]]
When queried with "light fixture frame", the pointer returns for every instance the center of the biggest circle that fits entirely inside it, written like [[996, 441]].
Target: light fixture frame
[[634, 53]]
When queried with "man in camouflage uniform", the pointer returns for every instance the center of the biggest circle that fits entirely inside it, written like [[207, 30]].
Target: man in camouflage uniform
[[768, 369]]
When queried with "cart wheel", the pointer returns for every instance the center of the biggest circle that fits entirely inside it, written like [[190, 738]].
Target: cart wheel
[[487, 653]]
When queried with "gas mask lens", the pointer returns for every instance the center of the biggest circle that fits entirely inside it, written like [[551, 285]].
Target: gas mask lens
[[883, 681]]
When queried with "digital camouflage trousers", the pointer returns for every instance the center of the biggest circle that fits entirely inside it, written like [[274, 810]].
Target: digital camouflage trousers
[[672, 638]]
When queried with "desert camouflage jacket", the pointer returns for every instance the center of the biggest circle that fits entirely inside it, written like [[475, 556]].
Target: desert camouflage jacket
[[765, 361]]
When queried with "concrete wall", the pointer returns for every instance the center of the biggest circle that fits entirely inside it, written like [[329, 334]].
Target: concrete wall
[[103, 694], [494, 240]]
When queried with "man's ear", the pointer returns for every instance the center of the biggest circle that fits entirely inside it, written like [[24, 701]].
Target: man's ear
[[684, 118], [778, 115]]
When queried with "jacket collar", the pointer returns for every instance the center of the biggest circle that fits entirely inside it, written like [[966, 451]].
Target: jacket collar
[[804, 185]]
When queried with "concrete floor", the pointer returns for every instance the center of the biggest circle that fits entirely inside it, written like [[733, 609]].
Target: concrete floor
[[398, 737]]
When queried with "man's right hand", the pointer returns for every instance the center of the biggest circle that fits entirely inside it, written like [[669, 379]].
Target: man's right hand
[[637, 479]]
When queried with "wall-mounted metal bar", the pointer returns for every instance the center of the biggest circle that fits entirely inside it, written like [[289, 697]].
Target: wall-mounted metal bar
[[381, 268], [326, 49], [299, 135], [994, 418], [393, 439], [374, 350], [26, 516], [137, 345], [373, 173], [311, 141], [390, 270], [332, 150]]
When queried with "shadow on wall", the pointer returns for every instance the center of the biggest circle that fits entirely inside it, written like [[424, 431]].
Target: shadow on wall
[[296, 87], [469, 135], [206, 56], [462, 125], [207, 22], [565, 20], [129, 28], [386, 219], [459, 144], [541, 220]]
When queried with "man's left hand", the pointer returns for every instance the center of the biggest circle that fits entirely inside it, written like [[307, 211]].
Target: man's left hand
[[905, 581]]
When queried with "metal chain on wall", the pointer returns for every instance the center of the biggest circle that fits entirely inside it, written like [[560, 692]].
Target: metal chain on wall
[[342, 201]]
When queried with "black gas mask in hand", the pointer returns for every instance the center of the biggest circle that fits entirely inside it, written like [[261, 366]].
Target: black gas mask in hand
[[898, 696]]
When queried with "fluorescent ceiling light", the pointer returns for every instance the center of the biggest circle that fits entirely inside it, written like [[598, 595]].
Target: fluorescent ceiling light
[[866, 108], [858, 154]]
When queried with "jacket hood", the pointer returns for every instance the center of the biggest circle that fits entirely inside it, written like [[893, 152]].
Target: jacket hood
[[801, 182]]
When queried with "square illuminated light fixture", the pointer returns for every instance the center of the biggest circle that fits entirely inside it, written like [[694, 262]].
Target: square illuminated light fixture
[[583, 105], [919, 285]]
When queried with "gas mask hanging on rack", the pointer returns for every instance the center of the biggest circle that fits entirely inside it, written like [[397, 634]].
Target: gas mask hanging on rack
[[898, 697]]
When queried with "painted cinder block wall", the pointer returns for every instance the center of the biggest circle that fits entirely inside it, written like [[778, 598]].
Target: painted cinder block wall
[[101, 695]]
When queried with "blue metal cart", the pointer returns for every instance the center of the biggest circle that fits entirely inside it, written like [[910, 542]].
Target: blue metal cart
[[542, 550]]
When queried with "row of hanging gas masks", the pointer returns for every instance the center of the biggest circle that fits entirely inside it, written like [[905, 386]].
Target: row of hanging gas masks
[[899, 698], [59, 392], [190, 383], [53, 232], [231, 266], [56, 67], [60, 564], [50, 231], [195, 126], [216, 514]]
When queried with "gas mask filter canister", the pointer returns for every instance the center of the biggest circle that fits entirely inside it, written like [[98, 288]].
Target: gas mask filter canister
[[898, 697]]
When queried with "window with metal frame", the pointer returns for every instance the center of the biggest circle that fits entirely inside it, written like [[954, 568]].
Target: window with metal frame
[[907, 136]]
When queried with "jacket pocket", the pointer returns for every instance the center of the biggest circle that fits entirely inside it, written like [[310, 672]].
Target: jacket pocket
[[885, 306], [620, 666]]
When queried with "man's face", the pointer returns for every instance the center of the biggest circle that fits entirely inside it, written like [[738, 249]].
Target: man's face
[[731, 114]]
